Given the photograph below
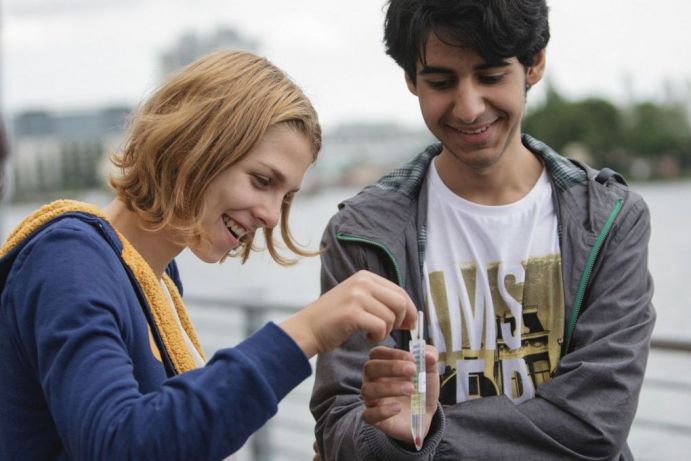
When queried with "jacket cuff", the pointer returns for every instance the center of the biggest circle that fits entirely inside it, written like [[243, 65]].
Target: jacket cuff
[[282, 362], [377, 445]]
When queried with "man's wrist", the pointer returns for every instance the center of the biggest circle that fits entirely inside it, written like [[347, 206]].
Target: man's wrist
[[404, 444]]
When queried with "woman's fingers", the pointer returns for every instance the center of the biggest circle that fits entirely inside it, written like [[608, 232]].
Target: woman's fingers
[[375, 328], [372, 316], [393, 297], [397, 300], [382, 312], [364, 301]]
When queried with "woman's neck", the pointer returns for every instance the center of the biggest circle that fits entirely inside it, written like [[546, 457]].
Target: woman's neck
[[157, 248]]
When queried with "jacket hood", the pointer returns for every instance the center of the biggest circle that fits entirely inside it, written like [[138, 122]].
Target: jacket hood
[[153, 298], [384, 208]]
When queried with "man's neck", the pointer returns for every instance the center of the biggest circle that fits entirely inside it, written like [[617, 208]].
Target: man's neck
[[506, 181]]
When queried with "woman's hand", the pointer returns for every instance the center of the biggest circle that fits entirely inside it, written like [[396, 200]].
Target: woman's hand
[[364, 301]]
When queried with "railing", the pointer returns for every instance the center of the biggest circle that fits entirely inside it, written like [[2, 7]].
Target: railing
[[223, 322], [670, 344]]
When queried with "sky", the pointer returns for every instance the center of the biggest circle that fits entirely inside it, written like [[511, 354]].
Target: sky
[[84, 54]]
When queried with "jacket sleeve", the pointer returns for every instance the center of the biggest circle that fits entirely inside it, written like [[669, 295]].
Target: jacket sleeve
[[72, 320], [583, 413], [336, 404]]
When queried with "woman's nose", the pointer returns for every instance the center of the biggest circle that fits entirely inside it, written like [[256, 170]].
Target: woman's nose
[[269, 212]]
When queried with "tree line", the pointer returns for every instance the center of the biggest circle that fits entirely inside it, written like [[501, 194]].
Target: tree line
[[644, 139]]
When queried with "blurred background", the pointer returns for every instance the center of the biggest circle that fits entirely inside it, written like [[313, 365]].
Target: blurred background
[[617, 93]]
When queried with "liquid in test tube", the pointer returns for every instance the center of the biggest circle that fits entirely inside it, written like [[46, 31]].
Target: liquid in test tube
[[418, 399]]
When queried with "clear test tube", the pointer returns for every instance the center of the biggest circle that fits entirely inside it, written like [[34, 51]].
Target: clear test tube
[[418, 399]]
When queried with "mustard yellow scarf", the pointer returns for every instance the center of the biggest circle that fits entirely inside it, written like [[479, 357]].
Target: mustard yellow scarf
[[163, 318]]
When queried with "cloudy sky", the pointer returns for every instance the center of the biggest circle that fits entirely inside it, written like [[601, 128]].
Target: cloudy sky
[[73, 54]]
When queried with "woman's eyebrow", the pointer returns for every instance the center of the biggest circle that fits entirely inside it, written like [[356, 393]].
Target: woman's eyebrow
[[278, 175]]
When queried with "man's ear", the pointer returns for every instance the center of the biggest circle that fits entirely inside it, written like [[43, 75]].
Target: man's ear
[[535, 72], [411, 85]]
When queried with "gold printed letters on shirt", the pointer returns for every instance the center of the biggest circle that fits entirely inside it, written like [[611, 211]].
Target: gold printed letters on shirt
[[497, 328]]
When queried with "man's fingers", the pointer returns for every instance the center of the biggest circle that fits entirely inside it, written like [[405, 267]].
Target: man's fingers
[[384, 410], [431, 356], [315, 448], [376, 369], [376, 390], [390, 353]]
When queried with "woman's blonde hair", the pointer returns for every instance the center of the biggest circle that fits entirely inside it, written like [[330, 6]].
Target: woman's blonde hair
[[200, 122]]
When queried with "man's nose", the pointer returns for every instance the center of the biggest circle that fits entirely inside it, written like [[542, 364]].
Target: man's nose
[[469, 103]]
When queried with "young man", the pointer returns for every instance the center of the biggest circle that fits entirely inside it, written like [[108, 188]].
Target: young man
[[531, 268]]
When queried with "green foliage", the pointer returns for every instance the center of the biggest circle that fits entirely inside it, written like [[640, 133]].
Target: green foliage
[[655, 129], [612, 135]]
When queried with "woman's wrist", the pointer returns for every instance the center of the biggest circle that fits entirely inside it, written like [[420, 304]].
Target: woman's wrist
[[297, 327]]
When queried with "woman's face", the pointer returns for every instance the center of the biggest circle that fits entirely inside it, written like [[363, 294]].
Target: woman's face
[[248, 195]]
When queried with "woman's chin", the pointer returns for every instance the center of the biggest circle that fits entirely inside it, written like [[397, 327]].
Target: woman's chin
[[209, 255]]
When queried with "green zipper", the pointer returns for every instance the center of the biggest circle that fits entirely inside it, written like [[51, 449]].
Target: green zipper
[[352, 238], [585, 275]]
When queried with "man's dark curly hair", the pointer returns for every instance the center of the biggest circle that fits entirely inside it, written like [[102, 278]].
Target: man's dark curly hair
[[495, 29]]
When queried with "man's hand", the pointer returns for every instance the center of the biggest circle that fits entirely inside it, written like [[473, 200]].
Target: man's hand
[[387, 386], [315, 455]]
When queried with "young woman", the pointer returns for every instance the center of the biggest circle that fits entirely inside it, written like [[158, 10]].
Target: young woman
[[99, 358]]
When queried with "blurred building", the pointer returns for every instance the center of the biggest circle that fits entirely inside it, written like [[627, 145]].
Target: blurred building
[[70, 150], [191, 46], [59, 151], [359, 153], [55, 151]]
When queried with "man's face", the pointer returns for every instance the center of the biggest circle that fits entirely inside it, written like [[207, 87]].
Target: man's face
[[473, 107]]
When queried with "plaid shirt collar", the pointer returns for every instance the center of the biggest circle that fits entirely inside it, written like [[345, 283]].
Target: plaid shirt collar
[[409, 178]]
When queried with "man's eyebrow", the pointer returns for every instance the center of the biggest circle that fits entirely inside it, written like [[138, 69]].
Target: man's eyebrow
[[444, 70], [493, 64], [434, 70]]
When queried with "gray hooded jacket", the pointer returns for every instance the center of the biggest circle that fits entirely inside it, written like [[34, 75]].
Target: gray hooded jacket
[[585, 411]]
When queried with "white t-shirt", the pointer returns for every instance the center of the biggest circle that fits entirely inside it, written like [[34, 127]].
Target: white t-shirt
[[494, 293]]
